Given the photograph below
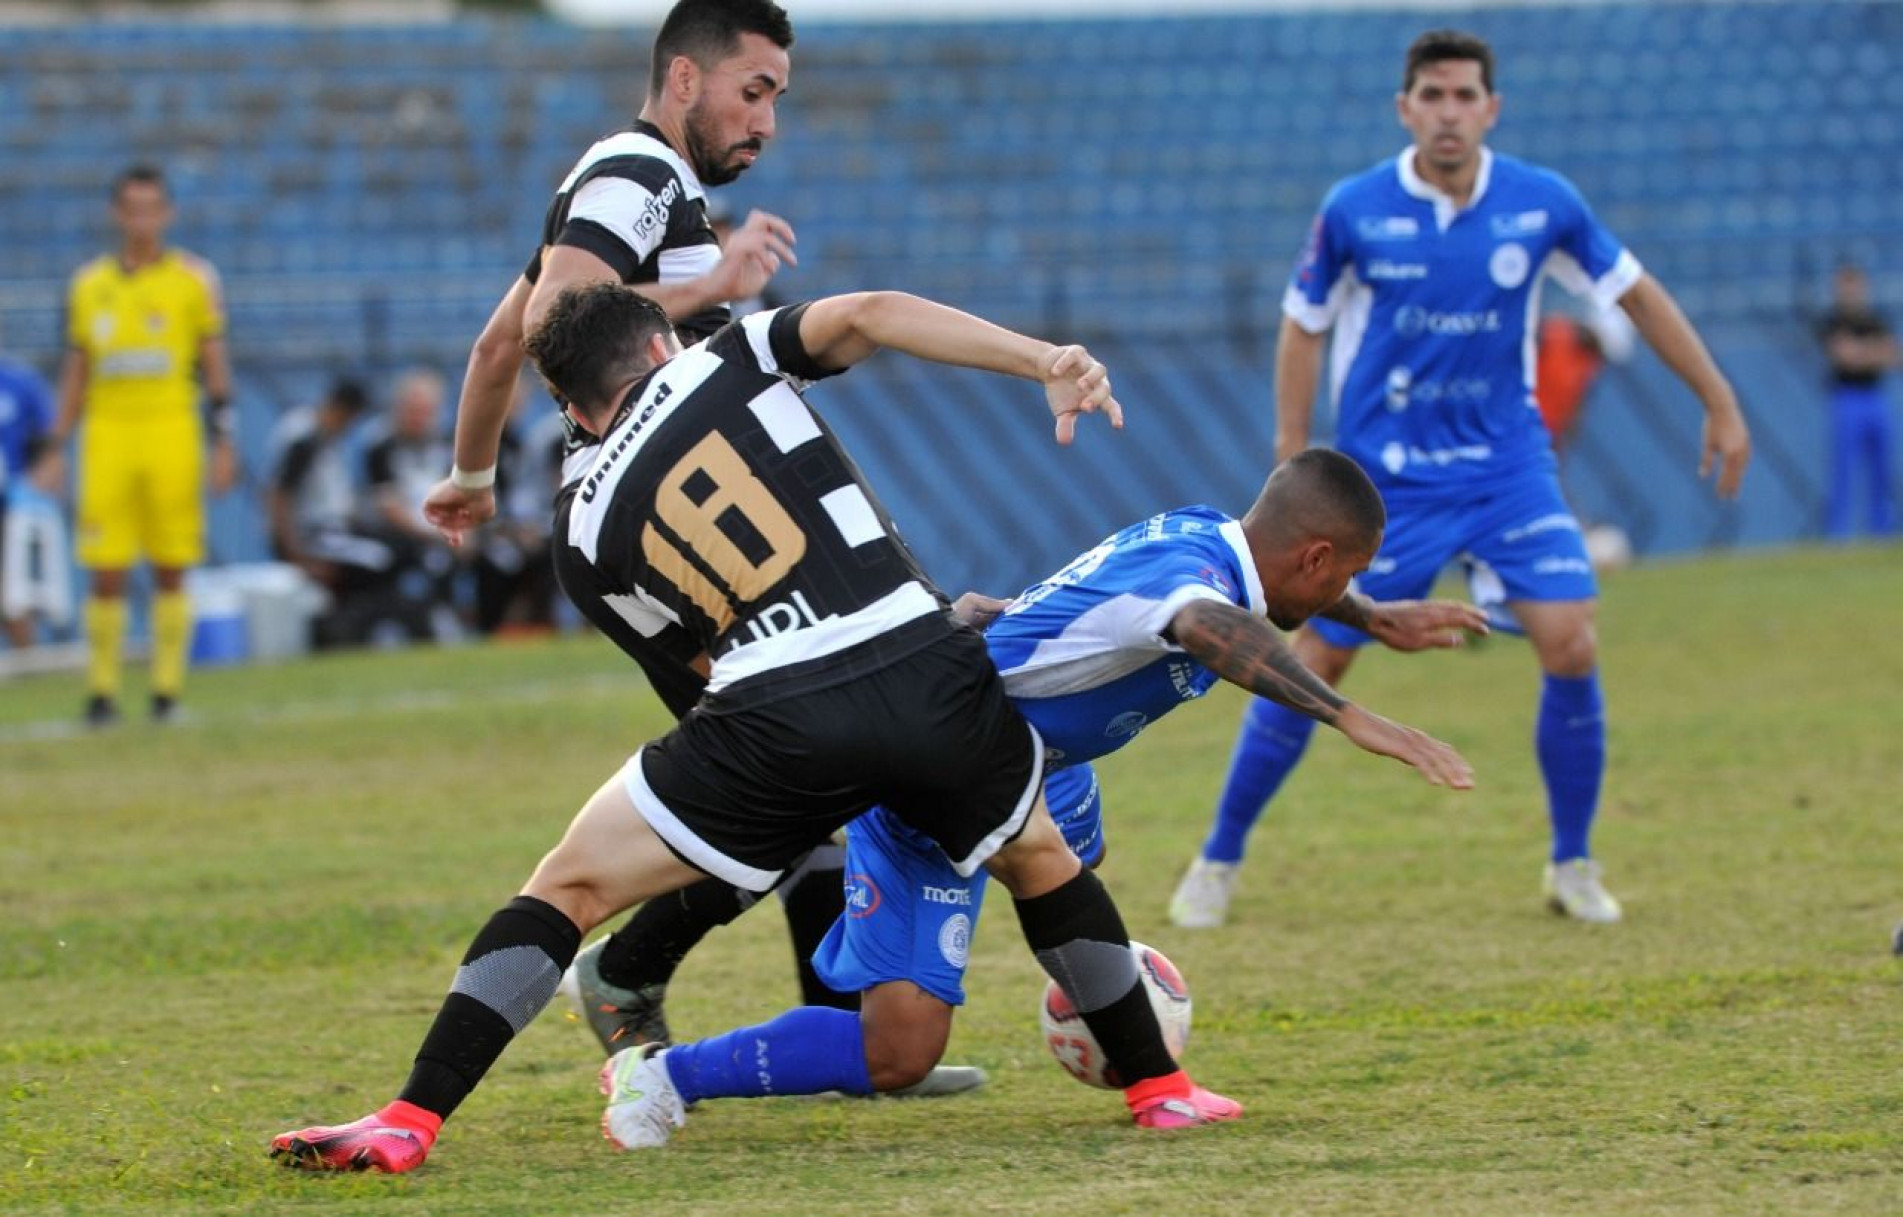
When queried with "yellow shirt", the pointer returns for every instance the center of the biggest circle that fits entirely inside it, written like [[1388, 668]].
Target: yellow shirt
[[141, 332]]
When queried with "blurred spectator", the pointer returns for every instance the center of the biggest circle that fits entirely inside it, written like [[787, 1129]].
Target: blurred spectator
[[313, 508], [515, 579], [1861, 350], [402, 466], [1572, 353], [33, 566]]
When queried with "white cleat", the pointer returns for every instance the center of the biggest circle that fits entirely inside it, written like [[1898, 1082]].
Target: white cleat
[[644, 1109], [1573, 888], [1201, 901], [942, 1082]]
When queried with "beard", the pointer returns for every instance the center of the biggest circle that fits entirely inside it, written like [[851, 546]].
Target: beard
[[715, 166]]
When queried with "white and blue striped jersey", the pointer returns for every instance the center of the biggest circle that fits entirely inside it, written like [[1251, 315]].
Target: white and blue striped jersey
[[1434, 311], [1083, 653]]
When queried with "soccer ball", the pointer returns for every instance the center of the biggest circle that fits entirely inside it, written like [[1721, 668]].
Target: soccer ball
[[1076, 1048]]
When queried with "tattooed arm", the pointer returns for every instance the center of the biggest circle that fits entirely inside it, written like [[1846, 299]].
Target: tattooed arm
[[1245, 650]]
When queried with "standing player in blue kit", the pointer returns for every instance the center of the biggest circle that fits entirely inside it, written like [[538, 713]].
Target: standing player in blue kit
[[1427, 269]]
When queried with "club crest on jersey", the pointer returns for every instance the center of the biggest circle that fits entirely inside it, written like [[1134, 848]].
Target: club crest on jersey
[[1509, 265], [954, 940]]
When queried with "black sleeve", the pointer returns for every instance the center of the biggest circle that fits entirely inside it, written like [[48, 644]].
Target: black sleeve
[[377, 465], [734, 343], [789, 352], [588, 235], [295, 465]]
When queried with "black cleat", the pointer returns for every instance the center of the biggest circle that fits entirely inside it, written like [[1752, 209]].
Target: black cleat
[[101, 711]]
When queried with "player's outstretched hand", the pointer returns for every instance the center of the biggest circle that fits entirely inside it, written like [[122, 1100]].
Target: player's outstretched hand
[[1437, 762], [977, 610], [1727, 445], [754, 253], [453, 511], [1075, 383], [1422, 625]]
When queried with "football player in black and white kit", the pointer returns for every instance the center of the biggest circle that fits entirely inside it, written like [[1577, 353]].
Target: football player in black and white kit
[[634, 208], [719, 502]]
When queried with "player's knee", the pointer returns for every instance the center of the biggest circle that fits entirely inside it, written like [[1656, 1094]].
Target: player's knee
[[901, 1053], [1036, 862], [1574, 653]]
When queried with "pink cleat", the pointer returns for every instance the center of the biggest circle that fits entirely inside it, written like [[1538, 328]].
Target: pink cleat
[[1201, 1107], [393, 1141]]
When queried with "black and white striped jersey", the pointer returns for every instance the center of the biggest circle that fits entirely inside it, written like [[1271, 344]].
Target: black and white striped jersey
[[635, 203], [721, 505]]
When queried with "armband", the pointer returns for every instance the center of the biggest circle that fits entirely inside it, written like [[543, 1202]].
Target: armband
[[221, 418], [472, 479]]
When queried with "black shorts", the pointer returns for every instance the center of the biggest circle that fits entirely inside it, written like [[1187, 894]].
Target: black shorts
[[741, 794]]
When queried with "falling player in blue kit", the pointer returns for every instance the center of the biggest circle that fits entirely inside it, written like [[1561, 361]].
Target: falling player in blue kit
[[1427, 268], [1149, 619]]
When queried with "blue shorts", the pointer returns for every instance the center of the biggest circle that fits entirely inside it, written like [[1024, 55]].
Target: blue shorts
[[1522, 541], [909, 916]]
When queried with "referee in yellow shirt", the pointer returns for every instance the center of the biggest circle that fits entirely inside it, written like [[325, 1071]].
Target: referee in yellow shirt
[[143, 325]]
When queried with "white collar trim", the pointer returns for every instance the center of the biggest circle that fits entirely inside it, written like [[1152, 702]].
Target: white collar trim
[[1251, 580], [1421, 188]]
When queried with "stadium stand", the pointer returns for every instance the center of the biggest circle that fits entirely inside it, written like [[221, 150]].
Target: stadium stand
[[369, 191]]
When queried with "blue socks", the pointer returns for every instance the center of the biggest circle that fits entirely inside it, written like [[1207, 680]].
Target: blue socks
[[807, 1050], [1272, 740], [1570, 740]]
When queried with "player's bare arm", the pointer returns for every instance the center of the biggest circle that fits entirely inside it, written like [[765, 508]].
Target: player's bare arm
[[754, 253], [1243, 649], [214, 361], [841, 331], [1409, 625], [69, 405], [465, 499], [1298, 370], [1726, 443]]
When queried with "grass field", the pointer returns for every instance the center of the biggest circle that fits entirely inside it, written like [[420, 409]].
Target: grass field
[[243, 924]]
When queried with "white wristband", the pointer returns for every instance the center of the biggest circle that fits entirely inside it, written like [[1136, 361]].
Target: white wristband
[[472, 479]]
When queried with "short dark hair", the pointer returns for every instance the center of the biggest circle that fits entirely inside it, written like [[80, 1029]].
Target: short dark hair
[[1318, 492], [707, 31], [1440, 46], [143, 174], [347, 394], [594, 339]]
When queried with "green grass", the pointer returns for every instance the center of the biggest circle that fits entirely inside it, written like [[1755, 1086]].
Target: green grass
[[216, 932]]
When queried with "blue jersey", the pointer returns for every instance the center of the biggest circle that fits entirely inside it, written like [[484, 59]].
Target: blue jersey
[[26, 413], [1434, 312], [1083, 653]]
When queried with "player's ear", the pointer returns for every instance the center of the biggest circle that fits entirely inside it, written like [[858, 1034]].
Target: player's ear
[[1316, 555], [661, 347], [683, 78]]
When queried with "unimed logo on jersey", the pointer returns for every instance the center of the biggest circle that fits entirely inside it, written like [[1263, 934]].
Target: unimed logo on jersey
[[592, 486]]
